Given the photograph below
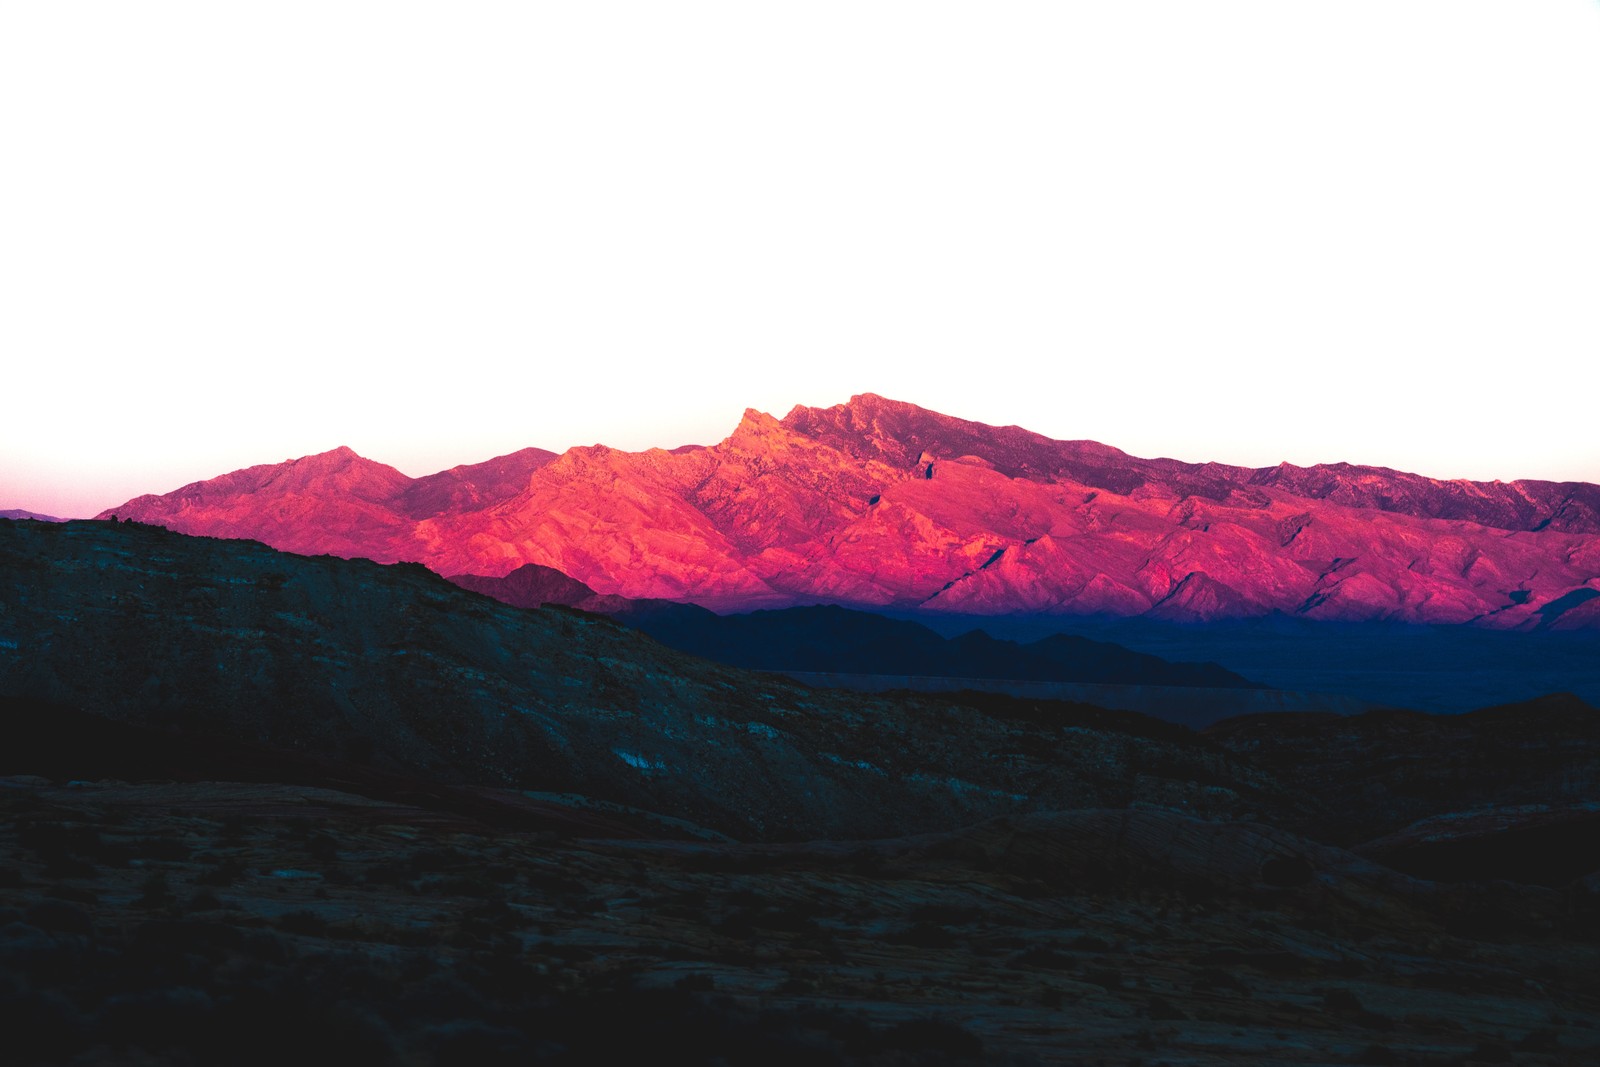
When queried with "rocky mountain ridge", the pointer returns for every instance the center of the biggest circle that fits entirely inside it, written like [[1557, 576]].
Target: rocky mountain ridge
[[879, 503]]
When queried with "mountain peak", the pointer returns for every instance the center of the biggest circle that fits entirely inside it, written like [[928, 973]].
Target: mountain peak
[[756, 425], [348, 465], [333, 457], [863, 407], [873, 401]]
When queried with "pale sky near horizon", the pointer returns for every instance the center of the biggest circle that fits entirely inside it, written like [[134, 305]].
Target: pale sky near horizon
[[1236, 231]]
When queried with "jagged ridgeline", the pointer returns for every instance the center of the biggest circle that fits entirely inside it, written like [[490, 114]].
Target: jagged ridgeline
[[393, 667], [882, 504]]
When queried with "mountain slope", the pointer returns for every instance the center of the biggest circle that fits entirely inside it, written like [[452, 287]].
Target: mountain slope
[[395, 667], [334, 502], [881, 503], [874, 427]]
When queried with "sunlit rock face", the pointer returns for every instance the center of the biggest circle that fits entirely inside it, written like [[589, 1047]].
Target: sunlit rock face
[[882, 503]]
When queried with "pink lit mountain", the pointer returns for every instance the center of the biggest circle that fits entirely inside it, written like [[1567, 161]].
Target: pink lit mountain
[[882, 503]]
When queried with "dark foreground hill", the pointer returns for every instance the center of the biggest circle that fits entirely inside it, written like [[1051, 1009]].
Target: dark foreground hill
[[259, 808], [395, 667]]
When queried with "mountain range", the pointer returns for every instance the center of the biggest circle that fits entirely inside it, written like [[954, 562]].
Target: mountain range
[[881, 504], [478, 798]]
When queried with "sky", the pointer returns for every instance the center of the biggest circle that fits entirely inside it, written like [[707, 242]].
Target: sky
[[230, 234]]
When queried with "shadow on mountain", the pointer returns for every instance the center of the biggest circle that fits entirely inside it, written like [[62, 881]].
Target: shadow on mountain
[[838, 640], [836, 647]]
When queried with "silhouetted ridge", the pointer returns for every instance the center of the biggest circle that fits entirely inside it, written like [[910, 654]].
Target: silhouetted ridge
[[529, 586], [836, 640]]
